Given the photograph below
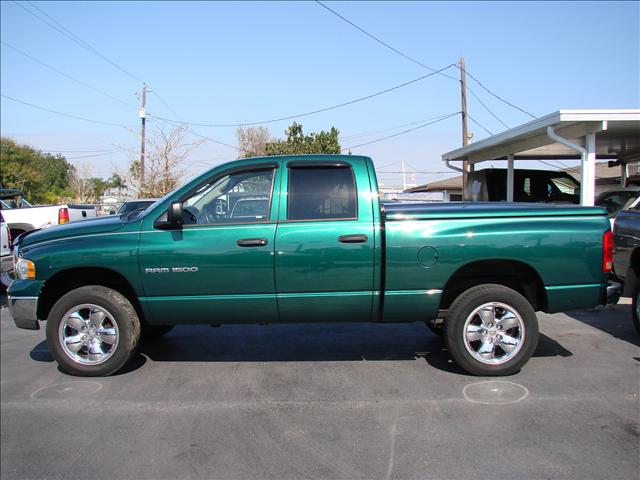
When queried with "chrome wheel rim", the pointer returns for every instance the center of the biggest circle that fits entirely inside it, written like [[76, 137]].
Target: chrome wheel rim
[[494, 333], [638, 306], [88, 334]]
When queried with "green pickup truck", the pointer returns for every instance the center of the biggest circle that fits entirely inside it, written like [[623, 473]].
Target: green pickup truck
[[313, 243]]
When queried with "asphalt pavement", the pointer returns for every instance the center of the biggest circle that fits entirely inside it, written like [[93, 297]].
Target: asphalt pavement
[[323, 401]]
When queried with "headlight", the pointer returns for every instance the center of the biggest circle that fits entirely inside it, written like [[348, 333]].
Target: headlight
[[25, 269]]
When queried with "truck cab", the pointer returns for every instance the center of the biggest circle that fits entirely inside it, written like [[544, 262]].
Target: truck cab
[[313, 237]]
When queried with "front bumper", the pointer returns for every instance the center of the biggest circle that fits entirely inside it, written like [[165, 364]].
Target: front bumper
[[24, 312]]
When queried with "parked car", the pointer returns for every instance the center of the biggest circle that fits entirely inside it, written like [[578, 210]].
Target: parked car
[[626, 256], [22, 217], [131, 205], [545, 186], [326, 251], [6, 258], [616, 200]]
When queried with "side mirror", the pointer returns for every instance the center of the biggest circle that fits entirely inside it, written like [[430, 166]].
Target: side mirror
[[174, 218], [174, 214]]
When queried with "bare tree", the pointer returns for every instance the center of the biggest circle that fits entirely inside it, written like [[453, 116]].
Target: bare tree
[[252, 141], [165, 152], [80, 181]]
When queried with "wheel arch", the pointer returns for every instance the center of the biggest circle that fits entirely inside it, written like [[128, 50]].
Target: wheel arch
[[18, 228], [514, 274], [66, 280], [632, 274]]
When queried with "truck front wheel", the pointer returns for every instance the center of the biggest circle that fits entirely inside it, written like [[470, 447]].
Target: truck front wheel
[[491, 330], [92, 331]]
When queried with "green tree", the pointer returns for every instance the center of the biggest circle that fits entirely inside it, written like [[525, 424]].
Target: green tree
[[44, 178], [299, 143]]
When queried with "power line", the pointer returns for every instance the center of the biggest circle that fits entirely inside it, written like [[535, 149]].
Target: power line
[[387, 165], [72, 36], [321, 110], [177, 125], [479, 124], [487, 108], [409, 165], [94, 155], [67, 75], [77, 151], [68, 33], [552, 165], [411, 59], [366, 134], [63, 114], [403, 132], [165, 103], [497, 96]]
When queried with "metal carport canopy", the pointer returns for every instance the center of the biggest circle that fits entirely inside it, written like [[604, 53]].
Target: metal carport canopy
[[586, 135]]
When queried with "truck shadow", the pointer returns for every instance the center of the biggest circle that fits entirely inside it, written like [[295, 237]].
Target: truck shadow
[[302, 343], [615, 321]]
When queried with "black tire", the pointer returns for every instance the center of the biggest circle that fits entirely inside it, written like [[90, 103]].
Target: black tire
[[119, 311], [154, 332], [635, 304], [460, 344]]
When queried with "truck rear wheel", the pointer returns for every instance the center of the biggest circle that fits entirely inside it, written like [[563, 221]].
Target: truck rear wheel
[[92, 331], [491, 330]]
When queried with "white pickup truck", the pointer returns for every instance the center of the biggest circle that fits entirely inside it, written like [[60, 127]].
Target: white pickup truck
[[6, 259], [21, 216]]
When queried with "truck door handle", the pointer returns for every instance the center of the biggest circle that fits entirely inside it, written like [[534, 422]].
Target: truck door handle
[[352, 238], [252, 242]]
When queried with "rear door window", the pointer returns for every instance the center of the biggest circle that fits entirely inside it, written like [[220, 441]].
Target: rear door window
[[322, 193]]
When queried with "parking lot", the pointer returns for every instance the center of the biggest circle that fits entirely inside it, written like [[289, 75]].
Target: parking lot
[[327, 401]]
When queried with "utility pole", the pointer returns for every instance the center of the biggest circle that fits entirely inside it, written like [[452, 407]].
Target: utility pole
[[465, 134], [143, 114]]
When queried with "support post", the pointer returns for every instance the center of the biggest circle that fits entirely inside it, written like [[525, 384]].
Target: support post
[[624, 174], [510, 164], [589, 171]]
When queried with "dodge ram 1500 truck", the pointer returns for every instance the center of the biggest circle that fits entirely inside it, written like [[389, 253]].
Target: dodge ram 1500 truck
[[320, 248]]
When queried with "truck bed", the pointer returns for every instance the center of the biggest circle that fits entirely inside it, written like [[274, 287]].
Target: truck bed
[[430, 247]]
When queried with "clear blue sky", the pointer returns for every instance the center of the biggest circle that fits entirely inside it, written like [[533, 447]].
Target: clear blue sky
[[228, 62]]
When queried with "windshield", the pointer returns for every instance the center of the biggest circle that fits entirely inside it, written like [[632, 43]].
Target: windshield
[[566, 184], [614, 202], [16, 201]]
